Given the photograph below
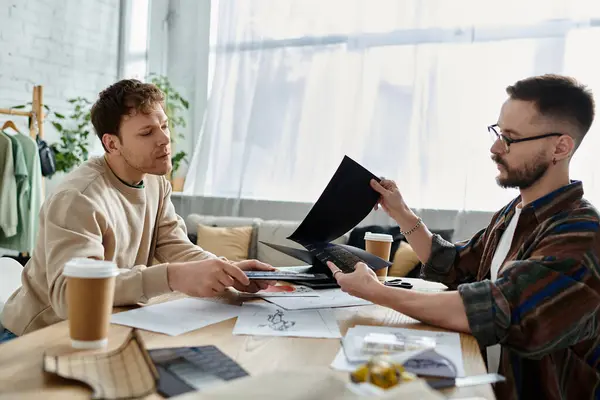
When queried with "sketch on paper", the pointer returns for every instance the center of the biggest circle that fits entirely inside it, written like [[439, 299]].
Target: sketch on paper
[[277, 323], [266, 319]]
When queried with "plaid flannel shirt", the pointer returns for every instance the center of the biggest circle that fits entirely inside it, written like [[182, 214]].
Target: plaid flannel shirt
[[543, 309]]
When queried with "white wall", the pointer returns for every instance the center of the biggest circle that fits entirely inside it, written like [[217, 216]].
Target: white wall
[[68, 46]]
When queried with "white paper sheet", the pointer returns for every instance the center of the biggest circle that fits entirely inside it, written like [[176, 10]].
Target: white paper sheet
[[178, 316], [328, 298], [266, 319], [284, 290], [447, 345]]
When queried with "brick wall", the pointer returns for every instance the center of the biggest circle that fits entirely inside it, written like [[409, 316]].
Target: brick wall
[[69, 46]]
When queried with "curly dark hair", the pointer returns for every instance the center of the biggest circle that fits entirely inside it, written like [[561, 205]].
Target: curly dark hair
[[560, 97], [120, 99]]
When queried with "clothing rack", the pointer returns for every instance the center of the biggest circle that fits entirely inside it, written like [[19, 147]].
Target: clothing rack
[[36, 115], [36, 120]]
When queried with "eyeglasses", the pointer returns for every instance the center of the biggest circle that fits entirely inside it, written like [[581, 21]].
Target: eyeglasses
[[496, 134]]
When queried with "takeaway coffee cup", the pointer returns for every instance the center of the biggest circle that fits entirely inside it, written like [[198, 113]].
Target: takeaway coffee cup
[[379, 244], [90, 293]]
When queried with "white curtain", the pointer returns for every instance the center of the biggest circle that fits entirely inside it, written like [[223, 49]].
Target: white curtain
[[407, 88]]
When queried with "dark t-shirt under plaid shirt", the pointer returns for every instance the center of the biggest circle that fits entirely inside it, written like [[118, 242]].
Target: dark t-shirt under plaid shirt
[[543, 309]]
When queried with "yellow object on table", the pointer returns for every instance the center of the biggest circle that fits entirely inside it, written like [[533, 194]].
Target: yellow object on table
[[382, 372]]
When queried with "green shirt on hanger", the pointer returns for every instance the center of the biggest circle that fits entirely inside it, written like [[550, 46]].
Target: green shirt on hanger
[[8, 189], [29, 196], [22, 179], [34, 168]]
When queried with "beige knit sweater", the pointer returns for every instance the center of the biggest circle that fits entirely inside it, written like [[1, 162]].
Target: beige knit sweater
[[94, 214]]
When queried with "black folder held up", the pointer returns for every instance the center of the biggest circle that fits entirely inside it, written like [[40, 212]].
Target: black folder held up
[[347, 200]]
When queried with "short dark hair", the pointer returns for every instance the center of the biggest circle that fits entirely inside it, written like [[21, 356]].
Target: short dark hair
[[120, 99], [558, 96]]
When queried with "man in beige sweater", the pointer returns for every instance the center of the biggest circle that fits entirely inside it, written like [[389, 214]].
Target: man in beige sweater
[[118, 208]]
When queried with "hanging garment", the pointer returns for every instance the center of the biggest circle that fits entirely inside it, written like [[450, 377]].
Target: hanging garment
[[29, 198], [8, 188]]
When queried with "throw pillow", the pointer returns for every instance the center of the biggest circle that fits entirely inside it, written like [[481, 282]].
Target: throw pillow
[[405, 260], [232, 243]]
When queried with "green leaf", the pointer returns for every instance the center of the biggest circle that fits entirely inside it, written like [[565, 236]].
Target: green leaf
[[19, 107], [59, 116], [57, 126], [185, 103]]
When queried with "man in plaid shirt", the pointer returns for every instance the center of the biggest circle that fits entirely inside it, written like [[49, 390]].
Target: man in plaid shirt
[[527, 286]]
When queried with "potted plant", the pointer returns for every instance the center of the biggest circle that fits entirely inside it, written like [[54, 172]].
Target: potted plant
[[74, 131]]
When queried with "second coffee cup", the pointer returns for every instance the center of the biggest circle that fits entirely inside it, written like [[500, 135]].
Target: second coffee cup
[[380, 245]]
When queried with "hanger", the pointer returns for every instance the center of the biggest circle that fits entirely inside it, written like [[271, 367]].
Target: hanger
[[10, 124]]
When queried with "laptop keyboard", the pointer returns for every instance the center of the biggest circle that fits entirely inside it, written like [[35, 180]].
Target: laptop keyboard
[[185, 369], [341, 257]]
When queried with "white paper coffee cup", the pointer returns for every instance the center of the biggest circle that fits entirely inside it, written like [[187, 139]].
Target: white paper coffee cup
[[379, 237], [90, 294], [379, 244]]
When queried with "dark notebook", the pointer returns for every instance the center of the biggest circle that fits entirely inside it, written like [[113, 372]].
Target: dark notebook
[[347, 199]]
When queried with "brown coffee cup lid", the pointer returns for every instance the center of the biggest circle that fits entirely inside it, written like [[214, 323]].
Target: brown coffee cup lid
[[379, 237], [90, 268]]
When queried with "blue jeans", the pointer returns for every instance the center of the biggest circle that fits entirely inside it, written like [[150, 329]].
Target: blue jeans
[[6, 335]]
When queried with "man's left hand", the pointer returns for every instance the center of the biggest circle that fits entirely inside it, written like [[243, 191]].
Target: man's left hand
[[255, 285], [361, 283]]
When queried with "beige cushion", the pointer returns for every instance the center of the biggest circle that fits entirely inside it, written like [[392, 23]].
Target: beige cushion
[[405, 260], [193, 220], [232, 243]]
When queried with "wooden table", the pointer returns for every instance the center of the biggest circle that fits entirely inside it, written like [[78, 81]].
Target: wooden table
[[21, 359]]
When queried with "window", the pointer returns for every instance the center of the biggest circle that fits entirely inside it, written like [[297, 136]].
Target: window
[[407, 88], [135, 39]]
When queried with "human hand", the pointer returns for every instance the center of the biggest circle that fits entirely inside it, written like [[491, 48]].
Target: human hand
[[391, 199], [205, 278], [254, 285], [361, 283]]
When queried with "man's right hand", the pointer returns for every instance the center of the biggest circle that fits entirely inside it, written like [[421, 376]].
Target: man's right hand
[[205, 278]]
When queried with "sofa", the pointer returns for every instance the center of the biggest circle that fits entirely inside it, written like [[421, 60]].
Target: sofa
[[272, 231], [405, 262]]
